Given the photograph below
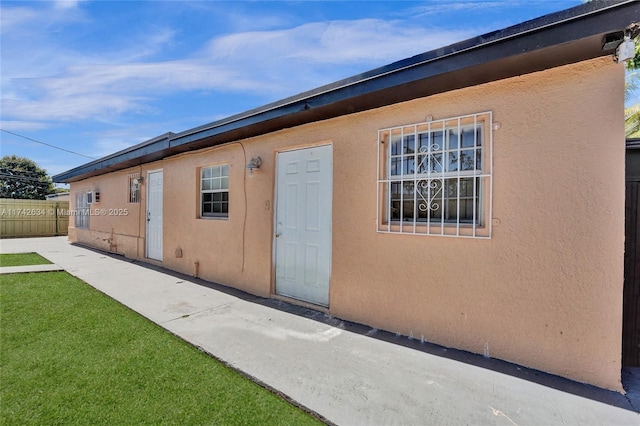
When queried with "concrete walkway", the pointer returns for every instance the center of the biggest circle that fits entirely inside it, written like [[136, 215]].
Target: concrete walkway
[[347, 373], [30, 268]]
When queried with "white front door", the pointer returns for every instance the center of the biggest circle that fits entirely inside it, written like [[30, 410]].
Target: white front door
[[303, 224], [154, 215]]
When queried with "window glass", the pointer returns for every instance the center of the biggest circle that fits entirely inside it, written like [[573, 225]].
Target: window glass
[[435, 176], [214, 189]]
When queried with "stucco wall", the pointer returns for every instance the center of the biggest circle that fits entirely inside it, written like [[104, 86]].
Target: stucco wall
[[545, 291], [115, 224]]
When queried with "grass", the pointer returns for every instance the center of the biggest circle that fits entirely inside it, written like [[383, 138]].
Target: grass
[[22, 259], [71, 355]]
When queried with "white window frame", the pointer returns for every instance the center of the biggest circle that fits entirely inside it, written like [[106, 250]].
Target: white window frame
[[213, 180], [81, 212], [426, 167]]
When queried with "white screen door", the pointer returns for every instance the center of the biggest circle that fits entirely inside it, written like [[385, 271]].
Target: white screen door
[[303, 224], [154, 215]]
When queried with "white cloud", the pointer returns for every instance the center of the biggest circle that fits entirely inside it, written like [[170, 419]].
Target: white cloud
[[285, 62], [14, 17], [442, 7], [19, 126], [32, 19], [108, 145], [65, 4], [70, 108], [336, 42], [85, 85]]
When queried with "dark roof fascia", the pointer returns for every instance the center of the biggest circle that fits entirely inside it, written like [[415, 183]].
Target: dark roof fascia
[[150, 150], [422, 59], [564, 37], [139, 147]]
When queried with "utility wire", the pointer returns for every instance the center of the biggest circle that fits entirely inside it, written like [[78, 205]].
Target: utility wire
[[47, 144]]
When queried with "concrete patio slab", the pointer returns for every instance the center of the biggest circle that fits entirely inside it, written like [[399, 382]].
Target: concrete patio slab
[[347, 373]]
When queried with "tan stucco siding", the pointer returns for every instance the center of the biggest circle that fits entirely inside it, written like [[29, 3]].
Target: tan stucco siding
[[116, 224], [545, 291], [233, 251]]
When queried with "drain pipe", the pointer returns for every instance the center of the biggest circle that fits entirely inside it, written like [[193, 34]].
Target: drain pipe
[[196, 265]]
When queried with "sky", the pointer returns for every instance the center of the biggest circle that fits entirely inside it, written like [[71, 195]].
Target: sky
[[95, 77]]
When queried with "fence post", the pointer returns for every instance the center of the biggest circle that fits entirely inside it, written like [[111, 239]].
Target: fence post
[[56, 216]]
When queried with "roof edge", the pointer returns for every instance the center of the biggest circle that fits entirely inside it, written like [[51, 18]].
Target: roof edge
[[523, 28], [170, 144]]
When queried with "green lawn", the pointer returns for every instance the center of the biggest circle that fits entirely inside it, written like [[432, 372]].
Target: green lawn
[[71, 355], [22, 259]]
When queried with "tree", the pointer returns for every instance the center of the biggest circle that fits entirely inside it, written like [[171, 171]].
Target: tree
[[632, 122], [22, 178], [632, 114], [634, 64]]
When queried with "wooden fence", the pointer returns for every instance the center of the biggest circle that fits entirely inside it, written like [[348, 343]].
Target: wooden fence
[[33, 218]]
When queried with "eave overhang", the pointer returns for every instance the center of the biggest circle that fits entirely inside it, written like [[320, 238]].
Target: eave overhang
[[561, 38]]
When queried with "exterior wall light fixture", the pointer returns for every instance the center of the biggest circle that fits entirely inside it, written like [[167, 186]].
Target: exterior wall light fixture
[[626, 50], [254, 164]]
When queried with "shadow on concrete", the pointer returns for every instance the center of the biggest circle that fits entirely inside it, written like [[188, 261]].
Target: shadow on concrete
[[630, 377]]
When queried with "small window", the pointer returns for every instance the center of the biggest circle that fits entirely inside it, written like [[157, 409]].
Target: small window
[[214, 191], [133, 188], [81, 212], [435, 177]]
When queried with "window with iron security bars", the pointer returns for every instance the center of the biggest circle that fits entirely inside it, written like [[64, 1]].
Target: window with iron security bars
[[435, 178], [133, 188], [81, 213]]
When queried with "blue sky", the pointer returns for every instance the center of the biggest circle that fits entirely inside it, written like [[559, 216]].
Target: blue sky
[[98, 76]]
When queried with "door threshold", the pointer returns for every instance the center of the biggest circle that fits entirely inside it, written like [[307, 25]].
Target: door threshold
[[151, 261], [302, 303]]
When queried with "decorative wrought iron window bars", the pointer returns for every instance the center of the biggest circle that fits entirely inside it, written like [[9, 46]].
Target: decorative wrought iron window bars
[[435, 178]]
